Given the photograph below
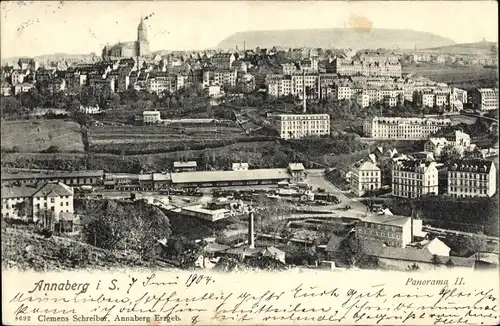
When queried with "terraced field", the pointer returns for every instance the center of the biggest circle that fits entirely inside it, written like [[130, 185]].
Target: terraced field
[[173, 137]]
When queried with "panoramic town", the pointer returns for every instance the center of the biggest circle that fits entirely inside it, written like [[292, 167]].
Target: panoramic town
[[377, 155]]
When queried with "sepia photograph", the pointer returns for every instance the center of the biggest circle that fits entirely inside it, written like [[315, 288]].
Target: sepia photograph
[[254, 162]]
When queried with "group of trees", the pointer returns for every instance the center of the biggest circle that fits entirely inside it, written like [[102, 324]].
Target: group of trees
[[120, 225]]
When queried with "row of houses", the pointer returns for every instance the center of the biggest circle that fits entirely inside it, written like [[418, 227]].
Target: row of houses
[[118, 75], [411, 177], [366, 91]]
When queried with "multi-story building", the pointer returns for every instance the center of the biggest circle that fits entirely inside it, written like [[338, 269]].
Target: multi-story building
[[363, 100], [151, 117], [412, 179], [459, 95], [53, 198], [220, 77], [403, 128], [289, 68], [159, 82], [394, 231], [222, 61], [302, 125], [485, 99], [365, 176], [345, 67], [308, 81], [16, 77], [472, 178]]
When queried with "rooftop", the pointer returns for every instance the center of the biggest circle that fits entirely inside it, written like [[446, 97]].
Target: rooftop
[[393, 220], [55, 175], [417, 255], [55, 189], [246, 175]]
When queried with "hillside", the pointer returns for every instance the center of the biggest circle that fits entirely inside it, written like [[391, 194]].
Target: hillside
[[477, 48], [40, 135], [336, 38], [23, 249]]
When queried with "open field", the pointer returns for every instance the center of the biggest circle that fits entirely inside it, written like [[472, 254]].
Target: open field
[[38, 135], [464, 77], [169, 138]]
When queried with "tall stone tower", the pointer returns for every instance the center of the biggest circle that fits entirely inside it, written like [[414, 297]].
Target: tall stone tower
[[142, 39]]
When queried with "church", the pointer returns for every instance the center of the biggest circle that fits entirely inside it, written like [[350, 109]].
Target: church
[[129, 49]]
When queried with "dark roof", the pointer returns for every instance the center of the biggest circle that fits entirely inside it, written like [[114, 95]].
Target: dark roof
[[221, 176], [54, 190], [17, 192], [416, 255], [74, 174], [483, 166]]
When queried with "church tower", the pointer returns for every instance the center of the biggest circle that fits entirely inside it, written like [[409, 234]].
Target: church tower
[[142, 39]]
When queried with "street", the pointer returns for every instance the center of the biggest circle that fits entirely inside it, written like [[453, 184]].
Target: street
[[316, 179]]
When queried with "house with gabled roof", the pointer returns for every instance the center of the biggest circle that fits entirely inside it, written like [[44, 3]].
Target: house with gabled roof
[[49, 203]]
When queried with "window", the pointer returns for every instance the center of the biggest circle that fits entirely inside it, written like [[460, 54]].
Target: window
[[52, 200]]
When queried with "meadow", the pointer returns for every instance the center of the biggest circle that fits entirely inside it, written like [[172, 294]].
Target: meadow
[[39, 135]]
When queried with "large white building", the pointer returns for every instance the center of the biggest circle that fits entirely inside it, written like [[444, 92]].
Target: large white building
[[151, 117], [395, 231], [485, 99], [412, 179], [403, 128], [295, 84], [302, 125], [472, 178], [54, 198], [365, 176]]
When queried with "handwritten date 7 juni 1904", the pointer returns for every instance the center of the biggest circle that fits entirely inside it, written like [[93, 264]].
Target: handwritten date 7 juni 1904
[[199, 299]]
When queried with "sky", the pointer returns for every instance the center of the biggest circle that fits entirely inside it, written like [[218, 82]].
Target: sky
[[30, 28]]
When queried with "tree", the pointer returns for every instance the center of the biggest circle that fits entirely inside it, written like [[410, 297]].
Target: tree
[[10, 105], [149, 224], [353, 253], [22, 208], [45, 218], [74, 105], [106, 224], [116, 225], [183, 250], [114, 101]]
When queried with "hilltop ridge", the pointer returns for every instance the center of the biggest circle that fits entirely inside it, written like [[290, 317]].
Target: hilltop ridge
[[336, 38]]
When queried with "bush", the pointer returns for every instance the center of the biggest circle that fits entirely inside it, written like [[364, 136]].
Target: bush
[[52, 149]]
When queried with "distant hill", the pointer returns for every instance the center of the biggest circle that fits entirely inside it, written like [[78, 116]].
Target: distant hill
[[342, 38], [56, 57], [478, 48]]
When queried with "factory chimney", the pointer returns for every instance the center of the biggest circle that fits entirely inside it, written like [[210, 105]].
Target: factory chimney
[[304, 95], [251, 235]]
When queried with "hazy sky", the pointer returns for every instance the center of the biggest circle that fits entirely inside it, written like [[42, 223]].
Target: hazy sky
[[31, 28]]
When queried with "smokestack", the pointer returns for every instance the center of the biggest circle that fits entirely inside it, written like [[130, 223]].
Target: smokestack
[[244, 46], [411, 234], [304, 104], [251, 236]]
